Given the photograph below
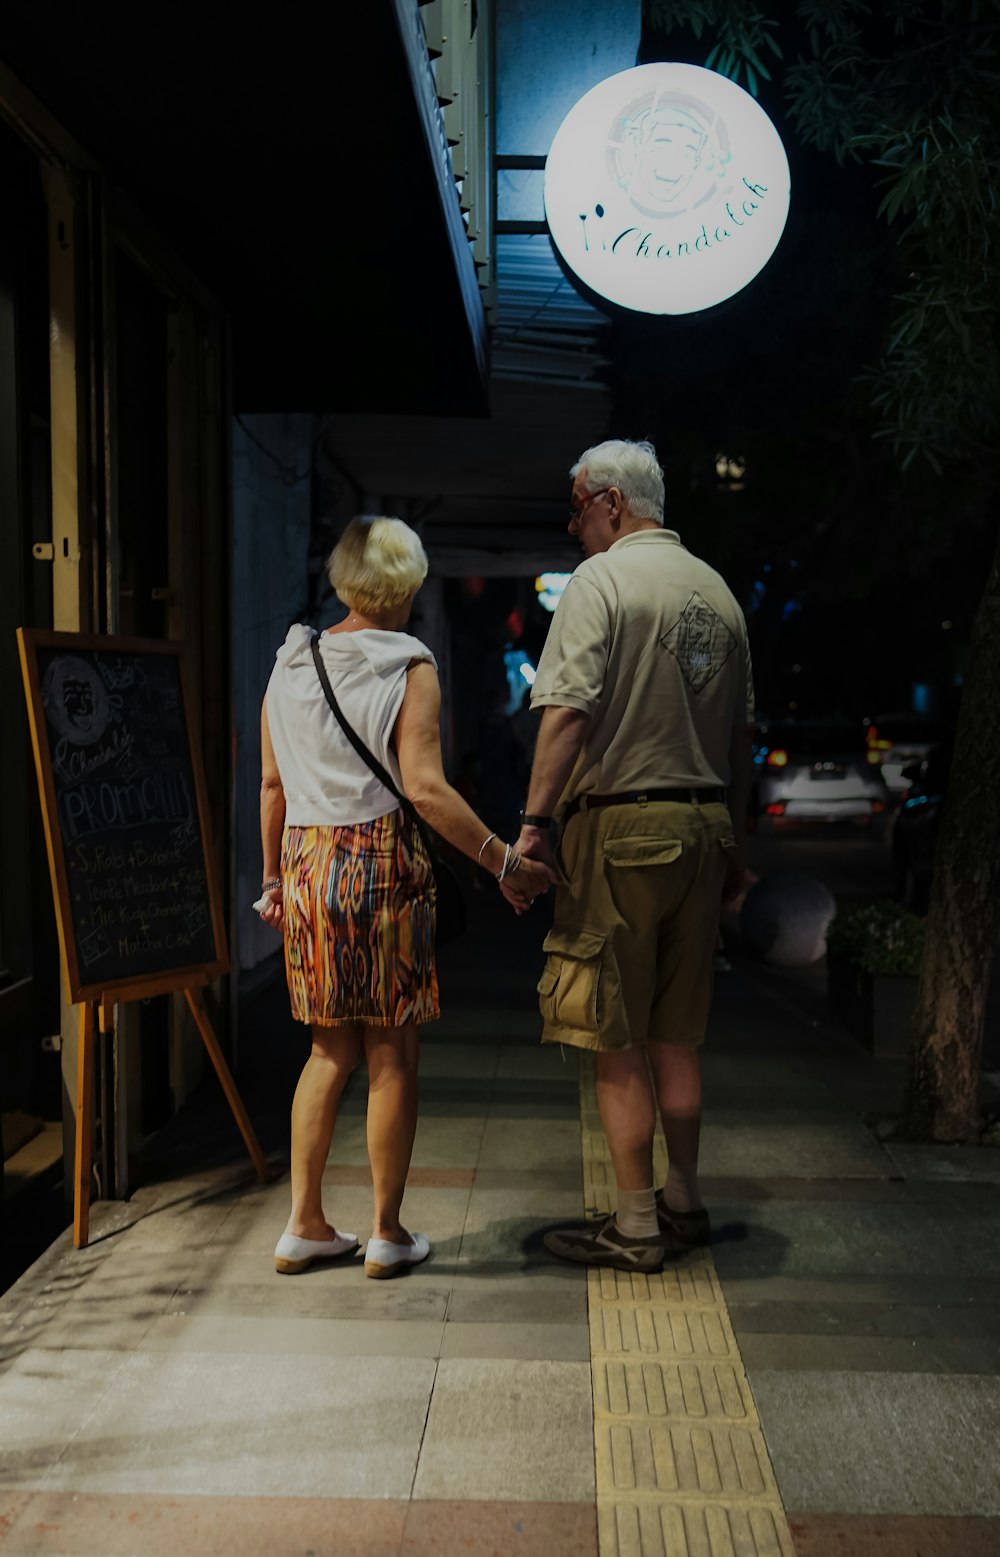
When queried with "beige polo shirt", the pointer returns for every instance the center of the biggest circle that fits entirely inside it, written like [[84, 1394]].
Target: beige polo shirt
[[650, 642]]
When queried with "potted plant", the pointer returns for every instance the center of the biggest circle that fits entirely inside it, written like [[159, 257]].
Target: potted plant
[[873, 960]]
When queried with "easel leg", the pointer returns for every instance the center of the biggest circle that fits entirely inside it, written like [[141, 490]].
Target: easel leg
[[224, 1074], [84, 1126]]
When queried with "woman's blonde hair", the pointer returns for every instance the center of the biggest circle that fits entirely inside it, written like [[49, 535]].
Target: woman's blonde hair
[[376, 564]]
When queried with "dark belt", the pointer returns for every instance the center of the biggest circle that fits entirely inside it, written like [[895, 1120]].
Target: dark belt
[[641, 797]]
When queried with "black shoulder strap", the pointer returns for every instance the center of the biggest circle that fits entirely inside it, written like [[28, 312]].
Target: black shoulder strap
[[367, 757]]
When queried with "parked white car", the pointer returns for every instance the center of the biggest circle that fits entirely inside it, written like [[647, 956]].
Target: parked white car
[[817, 772]]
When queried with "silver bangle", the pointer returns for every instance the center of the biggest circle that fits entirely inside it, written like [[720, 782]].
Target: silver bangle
[[272, 884], [486, 841]]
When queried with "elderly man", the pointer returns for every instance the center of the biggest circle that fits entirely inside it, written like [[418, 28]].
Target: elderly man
[[646, 695]]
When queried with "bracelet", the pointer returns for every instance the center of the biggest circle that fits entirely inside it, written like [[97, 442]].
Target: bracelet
[[485, 842], [534, 821], [272, 884], [507, 851]]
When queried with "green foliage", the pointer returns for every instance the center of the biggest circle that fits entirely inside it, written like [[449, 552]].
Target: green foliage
[[881, 937], [909, 88], [741, 35]]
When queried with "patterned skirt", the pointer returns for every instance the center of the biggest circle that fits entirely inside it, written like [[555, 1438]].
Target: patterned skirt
[[359, 923]]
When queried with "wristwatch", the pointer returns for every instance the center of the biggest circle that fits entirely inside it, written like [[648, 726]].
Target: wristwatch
[[534, 821]]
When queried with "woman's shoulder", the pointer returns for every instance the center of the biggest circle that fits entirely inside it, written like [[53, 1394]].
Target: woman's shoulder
[[298, 637]]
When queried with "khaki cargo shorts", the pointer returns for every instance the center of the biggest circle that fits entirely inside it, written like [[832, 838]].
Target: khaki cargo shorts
[[636, 925]]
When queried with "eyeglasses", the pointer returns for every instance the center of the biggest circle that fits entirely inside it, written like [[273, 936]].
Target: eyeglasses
[[578, 513]]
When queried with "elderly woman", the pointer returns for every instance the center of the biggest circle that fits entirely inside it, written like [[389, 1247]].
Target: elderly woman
[[348, 878]]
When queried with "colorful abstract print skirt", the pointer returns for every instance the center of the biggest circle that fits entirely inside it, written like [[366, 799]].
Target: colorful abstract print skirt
[[359, 923]]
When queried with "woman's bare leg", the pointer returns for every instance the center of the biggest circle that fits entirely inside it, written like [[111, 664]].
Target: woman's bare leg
[[392, 1054], [335, 1053]]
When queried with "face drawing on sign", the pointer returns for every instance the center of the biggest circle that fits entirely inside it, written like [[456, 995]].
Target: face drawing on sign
[[668, 152], [76, 702]]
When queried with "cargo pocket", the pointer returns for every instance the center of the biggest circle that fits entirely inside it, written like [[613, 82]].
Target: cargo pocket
[[570, 983], [642, 851]]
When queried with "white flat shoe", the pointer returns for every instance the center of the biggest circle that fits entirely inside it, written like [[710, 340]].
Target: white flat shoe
[[292, 1254], [383, 1258]]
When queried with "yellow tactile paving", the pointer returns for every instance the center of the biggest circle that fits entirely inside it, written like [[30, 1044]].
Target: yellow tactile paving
[[682, 1466]]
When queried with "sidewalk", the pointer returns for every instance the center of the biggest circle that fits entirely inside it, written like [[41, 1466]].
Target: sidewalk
[[164, 1391]]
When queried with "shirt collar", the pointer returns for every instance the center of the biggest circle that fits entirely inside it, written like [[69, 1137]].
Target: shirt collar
[[643, 537]]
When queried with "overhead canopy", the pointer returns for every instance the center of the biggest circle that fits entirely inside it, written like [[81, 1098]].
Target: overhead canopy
[[285, 156]]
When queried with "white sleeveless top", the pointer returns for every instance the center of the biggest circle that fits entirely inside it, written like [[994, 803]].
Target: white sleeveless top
[[326, 783]]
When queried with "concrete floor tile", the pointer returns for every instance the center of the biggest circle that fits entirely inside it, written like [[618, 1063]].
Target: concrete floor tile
[[456, 1060], [535, 1062], [802, 1146], [834, 1316], [504, 1227], [882, 1444], [442, 1141], [948, 1164], [529, 1143], [229, 1426], [518, 1180], [899, 1535], [320, 1294], [71, 1524], [813, 1239], [537, 1304], [45, 1398], [496, 1529], [510, 1429], [958, 1354], [278, 1337], [535, 1342]]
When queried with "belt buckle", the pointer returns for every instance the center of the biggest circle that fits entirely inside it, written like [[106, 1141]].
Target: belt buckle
[[642, 800]]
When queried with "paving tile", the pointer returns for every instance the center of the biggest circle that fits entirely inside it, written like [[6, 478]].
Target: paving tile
[[456, 1060], [882, 1443], [861, 1535], [537, 1061], [948, 1164], [833, 1316], [714, 1528], [417, 1178], [422, 1294], [442, 1141], [565, 1342], [539, 1297], [496, 1529], [506, 1227], [672, 1333], [719, 1459], [199, 1423], [958, 1354], [75, 1524], [531, 1143], [801, 1146], [45, 1397], [653, 1389], [511, 1430], [812, 1239], [277, 1337], [562, 1180]]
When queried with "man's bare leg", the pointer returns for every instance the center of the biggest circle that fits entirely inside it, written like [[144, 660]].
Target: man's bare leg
[[628, 1113], [677, 1079]]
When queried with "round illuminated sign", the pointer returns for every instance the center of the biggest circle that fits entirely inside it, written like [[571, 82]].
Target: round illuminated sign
[[666, 188]]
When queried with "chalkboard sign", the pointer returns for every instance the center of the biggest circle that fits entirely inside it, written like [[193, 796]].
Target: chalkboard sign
[[126, 819]]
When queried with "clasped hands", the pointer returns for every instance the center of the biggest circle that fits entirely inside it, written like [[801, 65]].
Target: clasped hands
[[536, 872]]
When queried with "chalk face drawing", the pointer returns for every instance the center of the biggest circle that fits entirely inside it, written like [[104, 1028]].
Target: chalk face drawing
[[666, 189], [76, 702]]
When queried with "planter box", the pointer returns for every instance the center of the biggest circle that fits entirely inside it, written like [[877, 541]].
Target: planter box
[[876, 1007]]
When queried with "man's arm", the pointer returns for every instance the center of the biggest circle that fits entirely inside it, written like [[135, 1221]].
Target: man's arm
[[560, 741]]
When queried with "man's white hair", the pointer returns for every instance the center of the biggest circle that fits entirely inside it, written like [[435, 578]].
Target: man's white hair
[[632, 467]]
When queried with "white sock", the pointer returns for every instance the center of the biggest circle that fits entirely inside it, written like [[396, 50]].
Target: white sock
[[681, 1192], [636, 1213]]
